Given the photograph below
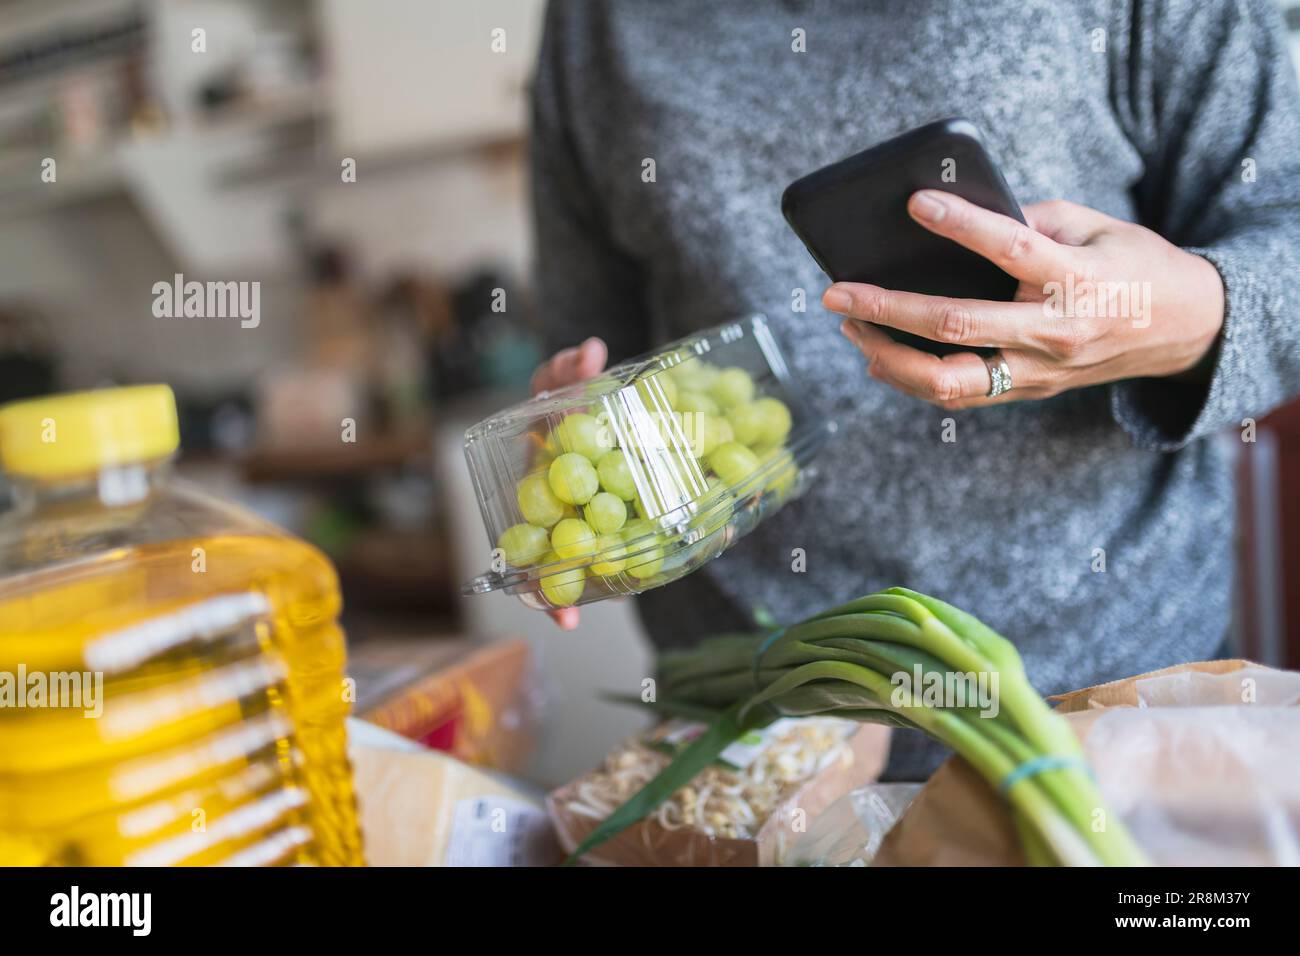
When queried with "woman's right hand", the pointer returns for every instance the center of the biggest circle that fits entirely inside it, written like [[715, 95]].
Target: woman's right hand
[[569, 367]]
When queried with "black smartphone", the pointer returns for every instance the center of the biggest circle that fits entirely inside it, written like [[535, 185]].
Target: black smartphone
[[852, 216]]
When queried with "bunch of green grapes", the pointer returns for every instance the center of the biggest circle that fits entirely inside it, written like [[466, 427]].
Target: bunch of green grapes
[[583, 513]]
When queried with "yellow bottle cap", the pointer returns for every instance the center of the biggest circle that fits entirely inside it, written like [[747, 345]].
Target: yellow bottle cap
[[84, 432]]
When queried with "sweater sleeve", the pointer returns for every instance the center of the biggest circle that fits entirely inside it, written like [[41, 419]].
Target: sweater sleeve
[[1208, 91], [585, 283]]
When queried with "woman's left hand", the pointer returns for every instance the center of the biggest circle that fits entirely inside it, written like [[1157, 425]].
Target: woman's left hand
[[1099, 300]]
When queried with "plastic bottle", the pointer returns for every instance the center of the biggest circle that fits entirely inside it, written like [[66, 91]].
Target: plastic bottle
[[171, 668]]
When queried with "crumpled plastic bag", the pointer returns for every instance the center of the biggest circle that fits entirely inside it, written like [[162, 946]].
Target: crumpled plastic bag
[[851, 829], [1205, 770]]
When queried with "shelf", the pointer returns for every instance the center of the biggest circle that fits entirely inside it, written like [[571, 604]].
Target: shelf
[[328, 463], [397, 571], [78, 181], [303, 165], [260, 113]]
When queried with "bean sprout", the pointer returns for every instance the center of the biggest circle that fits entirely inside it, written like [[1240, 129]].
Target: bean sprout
[[720, 801]]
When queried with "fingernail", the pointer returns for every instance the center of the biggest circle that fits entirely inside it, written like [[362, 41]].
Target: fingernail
[[848, 331], [837, 300], [926, 205]]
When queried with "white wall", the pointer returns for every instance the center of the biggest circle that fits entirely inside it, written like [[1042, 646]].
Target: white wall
[[410, 72], [449, 217]]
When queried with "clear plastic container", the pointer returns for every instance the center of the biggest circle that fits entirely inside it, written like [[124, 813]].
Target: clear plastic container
[[182, 698], [637, 477]]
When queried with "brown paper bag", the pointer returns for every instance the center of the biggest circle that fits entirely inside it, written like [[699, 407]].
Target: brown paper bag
[[958, 820]]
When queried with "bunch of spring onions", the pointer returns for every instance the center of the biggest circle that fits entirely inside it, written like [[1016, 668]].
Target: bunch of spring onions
[[875, 659]]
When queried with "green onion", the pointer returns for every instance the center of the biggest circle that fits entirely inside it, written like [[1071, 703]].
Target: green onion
[[850, 661]]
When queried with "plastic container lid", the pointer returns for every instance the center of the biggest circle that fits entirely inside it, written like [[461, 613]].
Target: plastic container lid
[[635, 478], [85, 432]]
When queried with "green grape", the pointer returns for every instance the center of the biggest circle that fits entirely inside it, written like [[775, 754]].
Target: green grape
[[694, 374], [537, 503], [746, 422], [639, 506], [564, 587], [692, 401], [616, 475], [573, 538], [644, 559], [573, 479], [523, 544], [697, 430], [680, 369], [733, 463], [658, 392], [774, 421], [582, 434], [613, 555], [723, 431], [714, 431], [606, 512], [733, 386], [636, 528], [784, 472]]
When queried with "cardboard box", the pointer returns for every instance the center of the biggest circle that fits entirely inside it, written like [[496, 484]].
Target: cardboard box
[[477, 701], [649, 843]]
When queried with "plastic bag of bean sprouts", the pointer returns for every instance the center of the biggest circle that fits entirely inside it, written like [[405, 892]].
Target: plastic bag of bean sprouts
[[749, 809]]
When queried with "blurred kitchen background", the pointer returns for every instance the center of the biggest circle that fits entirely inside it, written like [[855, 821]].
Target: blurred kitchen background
[[377, 296]]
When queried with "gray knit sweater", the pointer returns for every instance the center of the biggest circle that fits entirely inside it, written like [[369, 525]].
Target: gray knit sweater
[[1145, 110]]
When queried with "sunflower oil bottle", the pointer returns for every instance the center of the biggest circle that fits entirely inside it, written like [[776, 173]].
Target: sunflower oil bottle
[[171, 667]]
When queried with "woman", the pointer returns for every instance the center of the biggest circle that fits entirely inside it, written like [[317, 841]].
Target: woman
[[1083, 511]]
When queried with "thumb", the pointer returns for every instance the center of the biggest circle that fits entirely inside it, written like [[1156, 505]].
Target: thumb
[[590, 359], [570, 365]]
